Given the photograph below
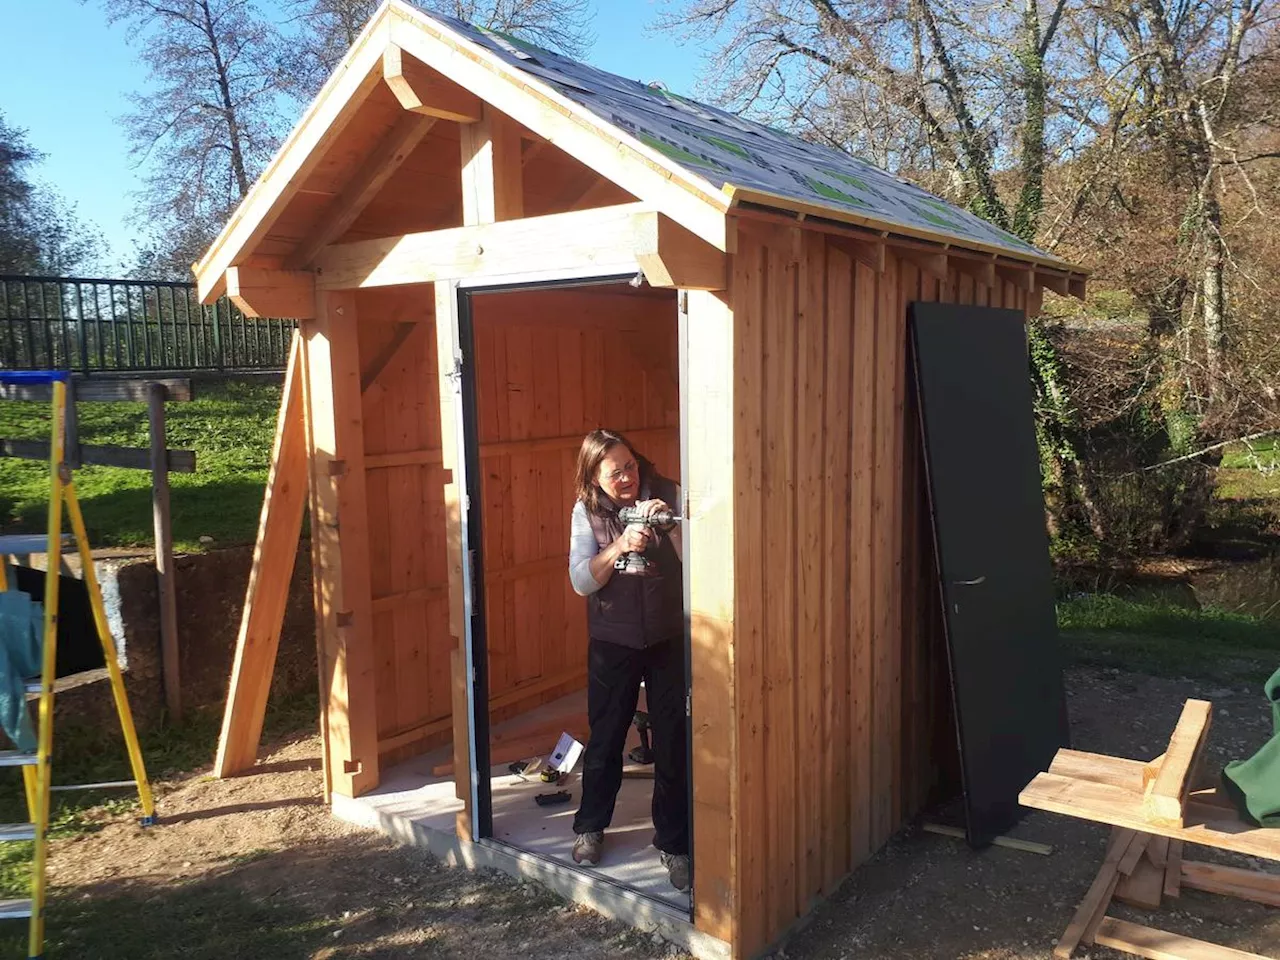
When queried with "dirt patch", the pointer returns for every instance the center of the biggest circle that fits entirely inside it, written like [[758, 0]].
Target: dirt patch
[[255, 867]]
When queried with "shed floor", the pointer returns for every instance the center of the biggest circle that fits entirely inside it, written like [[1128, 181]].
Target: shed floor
[[410, 796]]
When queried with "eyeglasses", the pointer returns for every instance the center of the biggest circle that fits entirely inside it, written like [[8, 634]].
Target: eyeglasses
[[628, 470]]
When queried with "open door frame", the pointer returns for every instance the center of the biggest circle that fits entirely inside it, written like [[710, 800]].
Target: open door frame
[[460, 443]]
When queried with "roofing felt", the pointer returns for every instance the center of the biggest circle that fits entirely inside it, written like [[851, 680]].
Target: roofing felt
[[731, 152]]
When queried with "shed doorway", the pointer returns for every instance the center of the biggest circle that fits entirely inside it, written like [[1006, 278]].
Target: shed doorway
[[545, 364]]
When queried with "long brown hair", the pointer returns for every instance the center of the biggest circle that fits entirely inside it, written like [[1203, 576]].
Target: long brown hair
[[594, 447]]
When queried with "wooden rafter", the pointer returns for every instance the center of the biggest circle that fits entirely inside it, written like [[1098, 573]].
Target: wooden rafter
[[364, 185]]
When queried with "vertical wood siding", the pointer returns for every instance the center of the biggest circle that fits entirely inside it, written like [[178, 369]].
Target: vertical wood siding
[[840, 699]]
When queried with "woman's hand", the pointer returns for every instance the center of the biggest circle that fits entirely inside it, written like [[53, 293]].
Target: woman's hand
[[648, 508], [634, 539]]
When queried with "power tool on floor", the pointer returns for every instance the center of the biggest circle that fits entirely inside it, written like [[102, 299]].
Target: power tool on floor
[[637, 562]]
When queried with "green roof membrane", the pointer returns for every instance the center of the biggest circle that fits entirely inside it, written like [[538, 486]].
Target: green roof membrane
[[729, 151]]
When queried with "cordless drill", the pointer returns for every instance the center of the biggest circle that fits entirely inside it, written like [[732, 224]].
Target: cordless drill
[[636, 563]]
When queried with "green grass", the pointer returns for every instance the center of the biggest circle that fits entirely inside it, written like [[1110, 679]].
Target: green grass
[[1165, 639], [230, 427], [1261, 453]]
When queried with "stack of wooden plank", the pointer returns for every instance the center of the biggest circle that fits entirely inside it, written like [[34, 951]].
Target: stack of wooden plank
[[1155, 808]]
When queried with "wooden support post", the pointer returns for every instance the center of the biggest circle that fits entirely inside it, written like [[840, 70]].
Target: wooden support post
[[492, 188], [72, 458], [340, 543], [164, 553], [267, 594]]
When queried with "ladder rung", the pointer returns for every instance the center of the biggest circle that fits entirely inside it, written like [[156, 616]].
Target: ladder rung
[[16, 758], [104, 785], [17, 831], [15, 909]]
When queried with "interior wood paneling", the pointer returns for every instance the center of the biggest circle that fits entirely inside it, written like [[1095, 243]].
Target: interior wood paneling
[[551, 366]]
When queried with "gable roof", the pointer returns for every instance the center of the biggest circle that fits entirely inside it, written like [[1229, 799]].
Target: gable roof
[[743, 159], [691, 161]]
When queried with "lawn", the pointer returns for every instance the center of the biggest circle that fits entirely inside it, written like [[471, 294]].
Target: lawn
[[229, 425], [1165, 639], [1251, 472]]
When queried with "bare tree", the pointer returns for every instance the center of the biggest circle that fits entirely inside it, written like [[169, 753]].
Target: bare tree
[[327, 28], [1183, 60], [951, 91], [210, 120]]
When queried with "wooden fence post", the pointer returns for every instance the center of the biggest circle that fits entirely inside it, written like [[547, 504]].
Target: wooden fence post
[[156, 393]]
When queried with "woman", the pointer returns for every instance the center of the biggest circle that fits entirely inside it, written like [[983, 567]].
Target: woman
[[632, 579]]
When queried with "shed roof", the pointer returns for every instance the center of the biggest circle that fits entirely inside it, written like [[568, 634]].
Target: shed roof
[[693, 161], [743, 159]]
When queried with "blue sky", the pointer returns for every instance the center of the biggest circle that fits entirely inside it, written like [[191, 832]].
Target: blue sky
[[65, 77]]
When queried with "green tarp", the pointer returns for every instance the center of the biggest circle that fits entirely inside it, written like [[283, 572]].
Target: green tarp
[[1254, 784], [21, 628]]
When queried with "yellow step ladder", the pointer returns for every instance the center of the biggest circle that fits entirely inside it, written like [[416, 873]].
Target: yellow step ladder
[[37, 768]]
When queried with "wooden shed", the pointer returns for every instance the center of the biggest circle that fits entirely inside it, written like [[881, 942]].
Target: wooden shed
[[492, 250]]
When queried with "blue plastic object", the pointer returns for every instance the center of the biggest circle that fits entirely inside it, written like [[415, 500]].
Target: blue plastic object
[[34, 376]]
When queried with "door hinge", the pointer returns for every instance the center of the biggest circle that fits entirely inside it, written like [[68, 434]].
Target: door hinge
[[688, 705]]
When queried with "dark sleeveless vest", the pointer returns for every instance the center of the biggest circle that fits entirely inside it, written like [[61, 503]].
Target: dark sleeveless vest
[[635, 610]]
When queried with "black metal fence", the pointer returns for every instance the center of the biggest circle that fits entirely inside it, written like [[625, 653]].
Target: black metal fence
[[88, 325]]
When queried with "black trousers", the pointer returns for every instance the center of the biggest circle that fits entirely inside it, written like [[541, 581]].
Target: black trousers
[[614, 673]]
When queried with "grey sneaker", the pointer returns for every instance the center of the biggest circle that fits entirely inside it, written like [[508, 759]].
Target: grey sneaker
[[587, 846], [679, 869]]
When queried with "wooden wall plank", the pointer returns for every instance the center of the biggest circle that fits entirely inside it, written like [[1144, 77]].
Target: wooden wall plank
[[813, 656], [886, 648], [749, 278], [862, 560], [837, 582], [780, 584]]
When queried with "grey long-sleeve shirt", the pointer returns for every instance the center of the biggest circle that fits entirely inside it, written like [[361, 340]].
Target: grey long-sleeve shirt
[[583, 547]]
